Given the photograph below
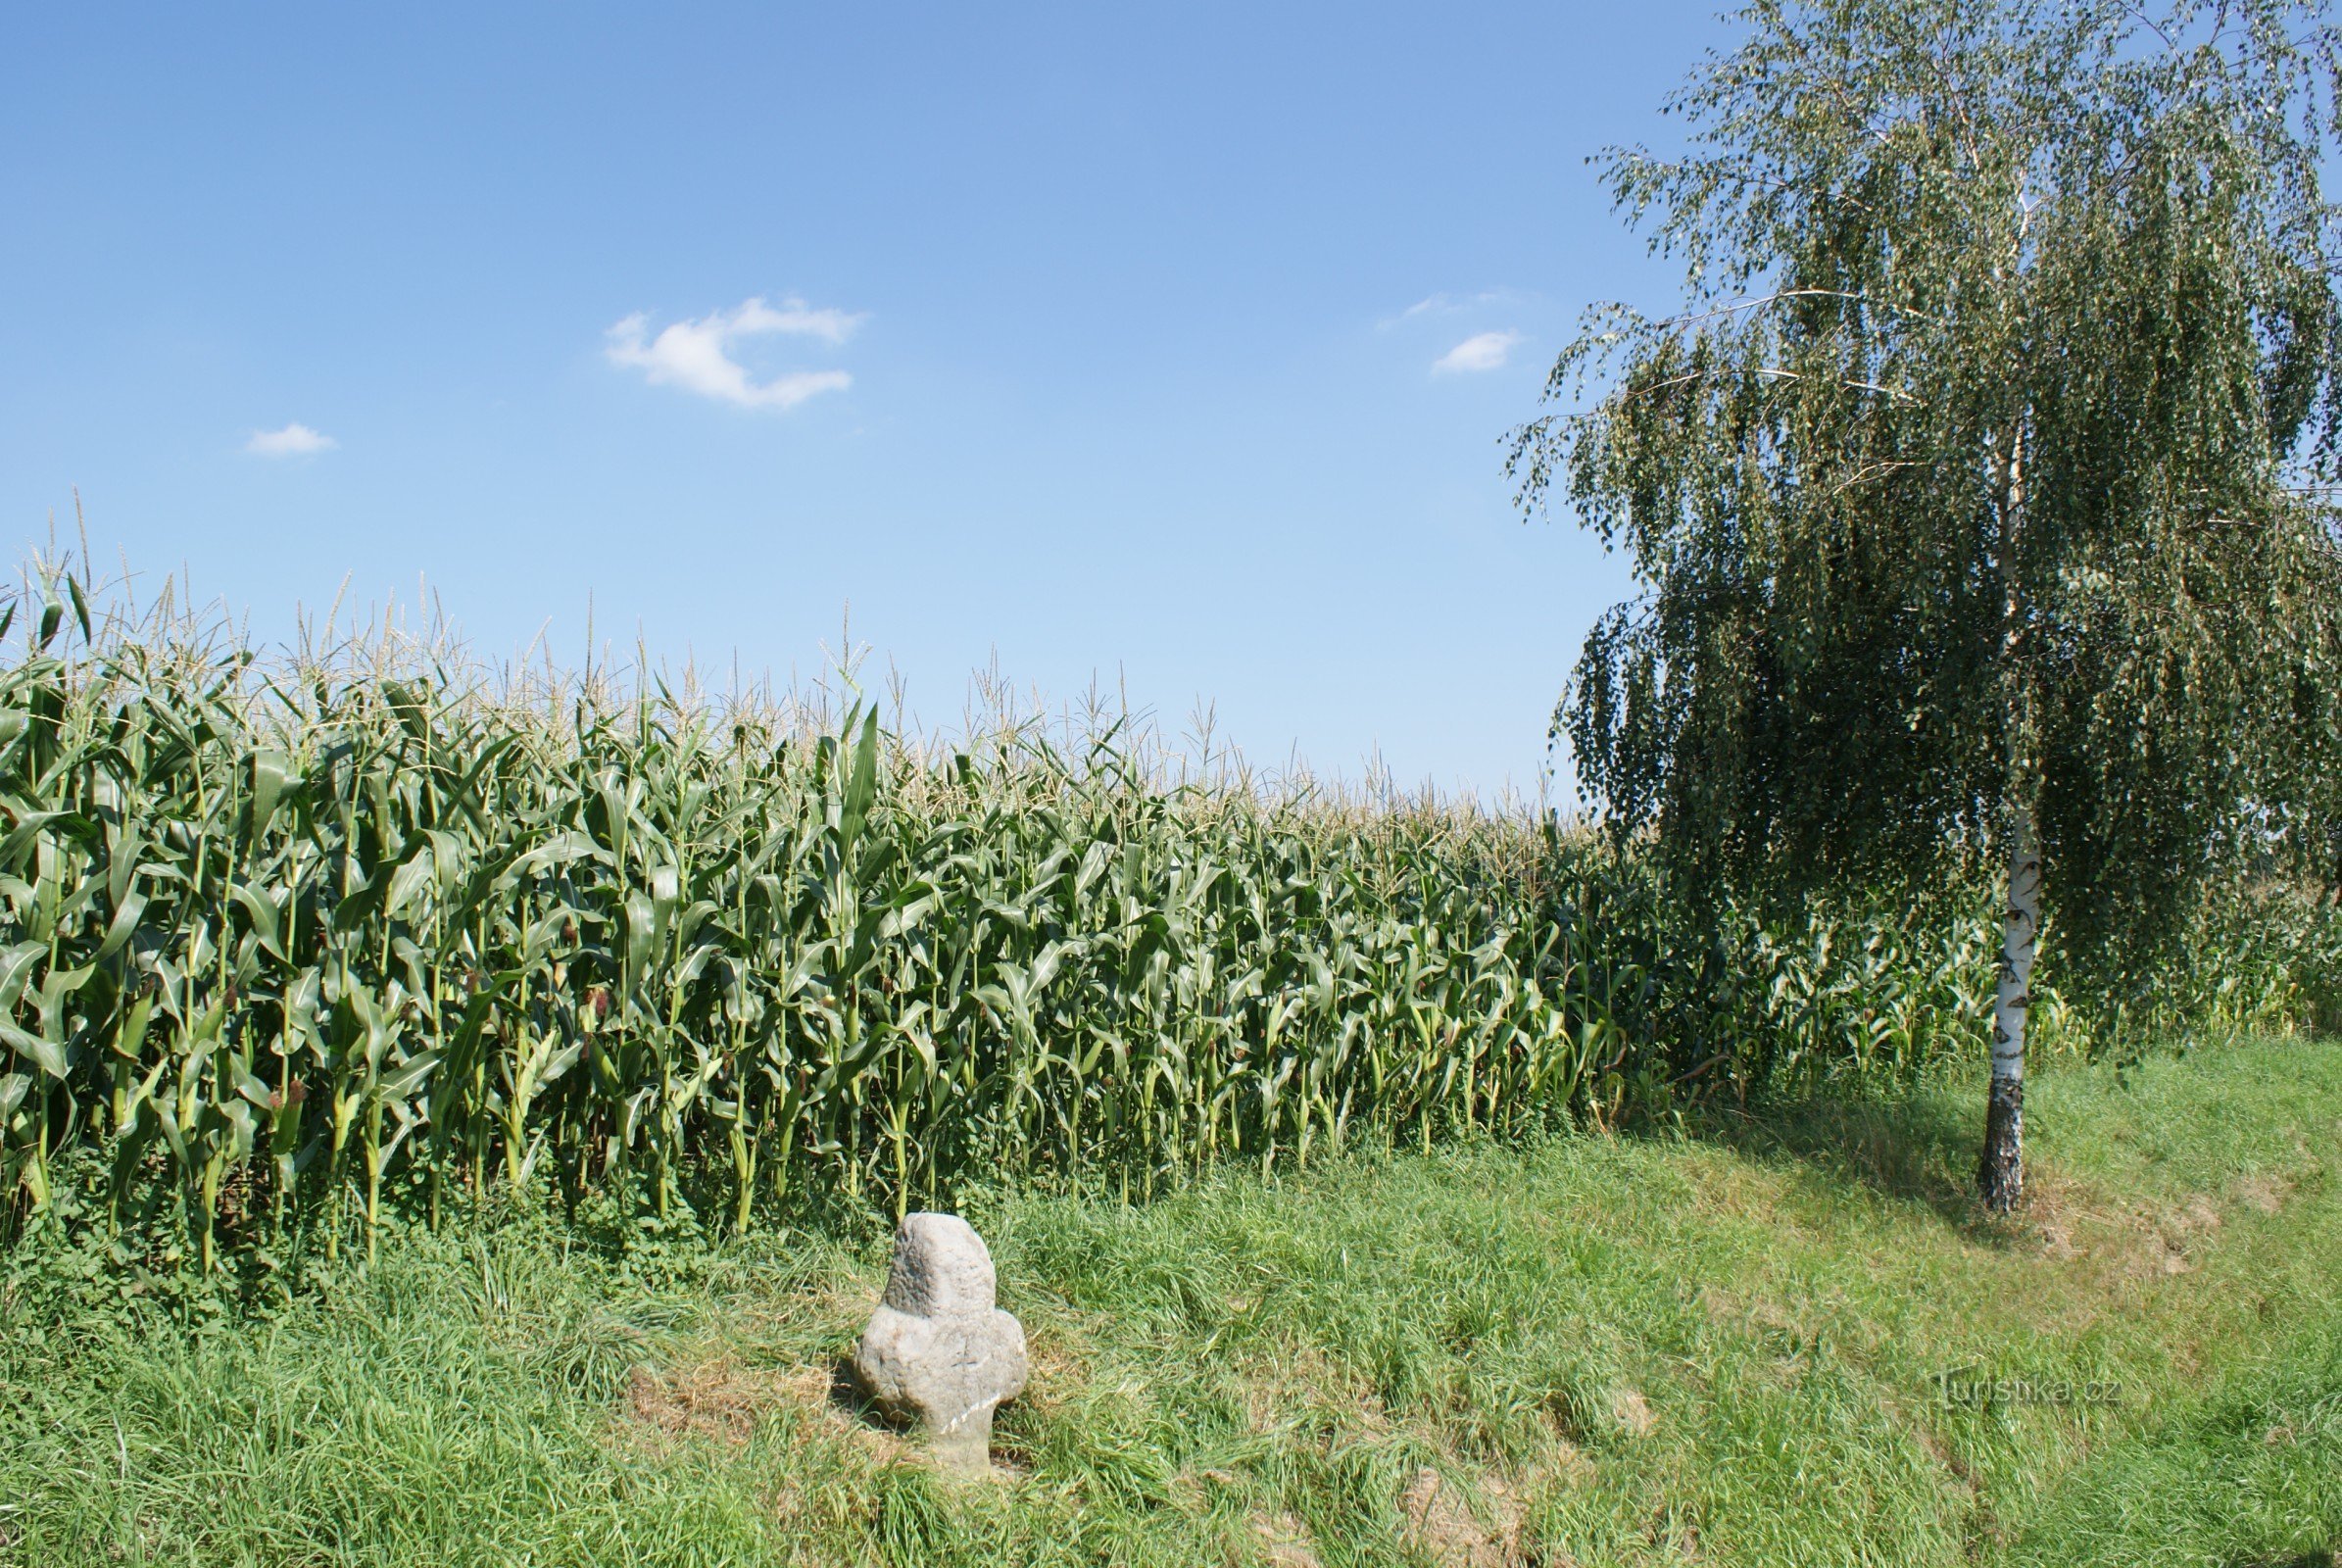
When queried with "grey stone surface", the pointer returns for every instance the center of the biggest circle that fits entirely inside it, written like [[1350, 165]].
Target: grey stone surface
[[937, 1349]]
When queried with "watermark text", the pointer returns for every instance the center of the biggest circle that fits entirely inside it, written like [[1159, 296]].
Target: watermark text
[[1972, 1388]]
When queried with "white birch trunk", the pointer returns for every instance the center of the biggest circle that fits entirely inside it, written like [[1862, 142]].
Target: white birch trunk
[[2000, 1171], [2000, 1175]]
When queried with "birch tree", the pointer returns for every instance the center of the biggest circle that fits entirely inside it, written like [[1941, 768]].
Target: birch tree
[[1976, 495]]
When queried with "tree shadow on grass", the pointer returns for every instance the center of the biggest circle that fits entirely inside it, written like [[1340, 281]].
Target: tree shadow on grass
[[1918, 1146]]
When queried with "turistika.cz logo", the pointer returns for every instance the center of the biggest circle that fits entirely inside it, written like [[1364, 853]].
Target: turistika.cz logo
[[1965, 1389]]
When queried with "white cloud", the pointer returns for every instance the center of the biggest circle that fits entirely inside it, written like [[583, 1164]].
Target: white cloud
[[1455, 305], [293, 441], [1485, 351], [697, 355]]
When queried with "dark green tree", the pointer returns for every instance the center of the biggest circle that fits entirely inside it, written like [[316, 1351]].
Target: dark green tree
[[1977, 496]]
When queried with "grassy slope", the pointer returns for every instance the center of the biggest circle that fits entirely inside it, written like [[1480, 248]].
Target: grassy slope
[[1605, 1350]]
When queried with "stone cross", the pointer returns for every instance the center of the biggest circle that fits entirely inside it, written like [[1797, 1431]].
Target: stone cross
[[937, 1348]]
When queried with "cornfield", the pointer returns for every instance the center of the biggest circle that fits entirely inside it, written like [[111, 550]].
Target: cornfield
[[283, 940]]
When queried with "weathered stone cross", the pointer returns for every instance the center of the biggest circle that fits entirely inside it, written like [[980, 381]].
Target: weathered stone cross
[[937, 1348]]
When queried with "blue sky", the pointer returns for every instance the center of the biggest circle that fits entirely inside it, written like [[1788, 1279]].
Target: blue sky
[[1167, 345]]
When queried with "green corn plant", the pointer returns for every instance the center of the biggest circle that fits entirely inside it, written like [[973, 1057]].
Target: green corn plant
[[287, 942]]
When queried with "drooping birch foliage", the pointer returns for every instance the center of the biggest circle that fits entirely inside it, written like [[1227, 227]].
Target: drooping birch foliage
[[1977, 486]]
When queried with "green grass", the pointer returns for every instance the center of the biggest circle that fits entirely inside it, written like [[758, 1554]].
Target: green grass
[[1715, 1348]]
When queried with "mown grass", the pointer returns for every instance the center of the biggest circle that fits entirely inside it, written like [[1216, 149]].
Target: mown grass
[[1719, 1348]]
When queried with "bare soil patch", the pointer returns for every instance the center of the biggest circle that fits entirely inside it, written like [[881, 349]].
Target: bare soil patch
[[1443, 1525]]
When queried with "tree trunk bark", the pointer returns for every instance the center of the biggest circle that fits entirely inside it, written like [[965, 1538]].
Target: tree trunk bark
[[2000, 1173], [2000, 1170]]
